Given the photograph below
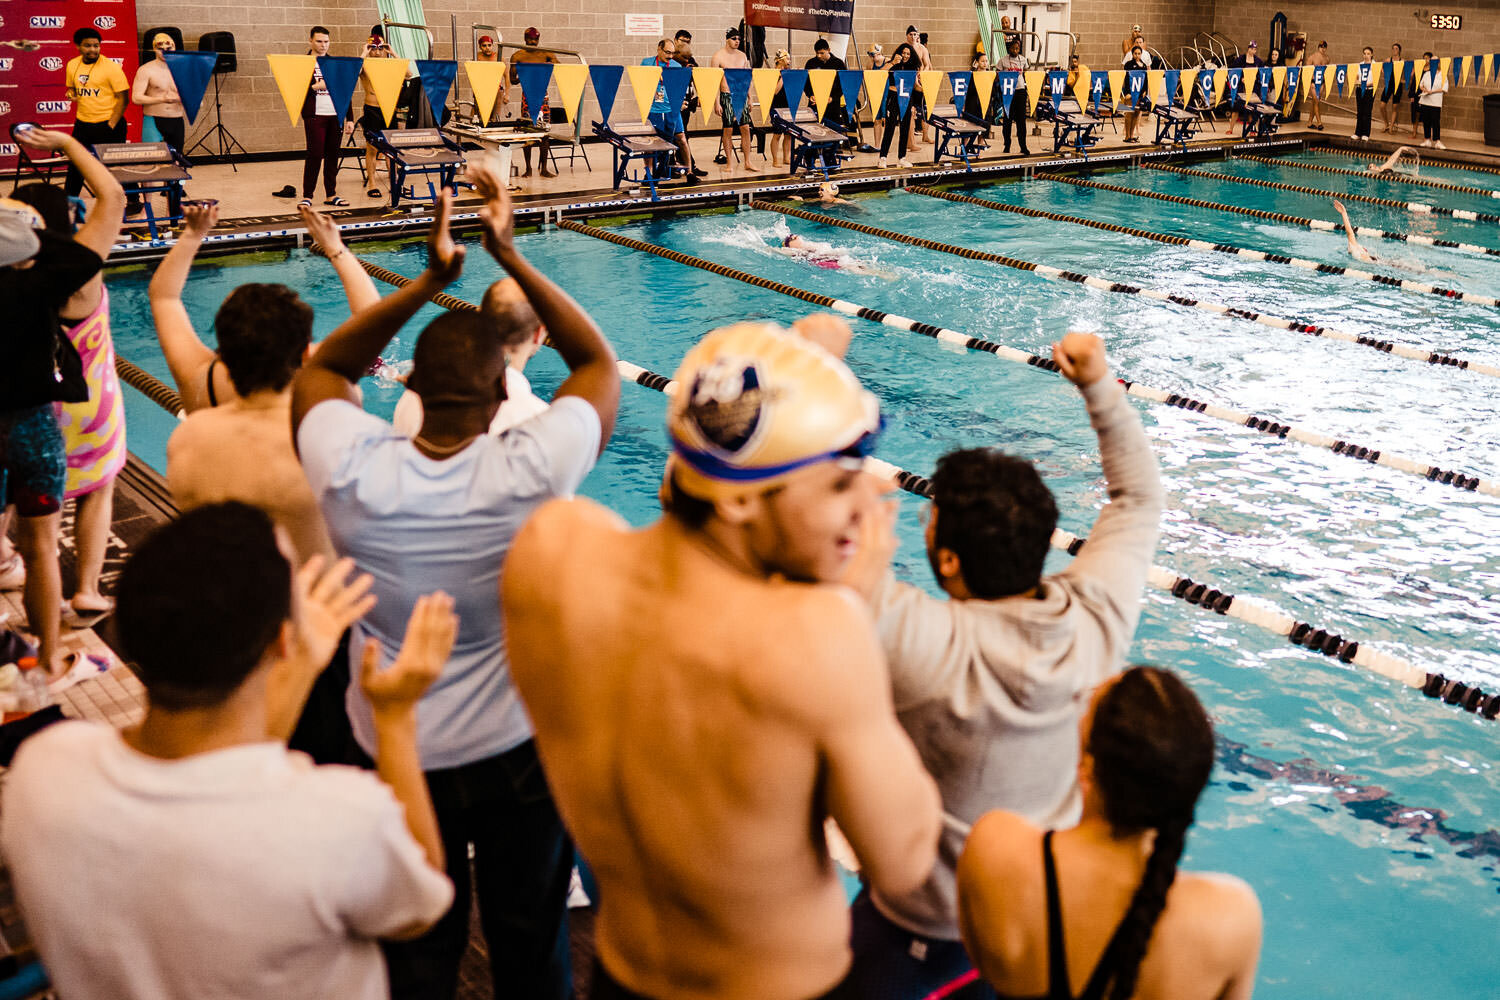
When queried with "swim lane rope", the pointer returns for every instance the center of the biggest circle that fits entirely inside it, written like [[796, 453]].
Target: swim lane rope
[[1303, 634], [1389, 175], [1338, 446], [150, 386], [1406, 285], [1296, 220], [1417, 208], [1381, 157]]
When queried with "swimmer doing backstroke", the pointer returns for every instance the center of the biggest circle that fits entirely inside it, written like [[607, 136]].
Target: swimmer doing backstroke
[[826, 255], [1359, 253]]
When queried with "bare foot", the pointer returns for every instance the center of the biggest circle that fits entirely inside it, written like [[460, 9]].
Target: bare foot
[[91, 602], [548, 173], [526, 172], [749, 168]]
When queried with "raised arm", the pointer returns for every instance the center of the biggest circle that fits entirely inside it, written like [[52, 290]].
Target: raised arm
[[188, 357], [590, 360], [328, 602], [102, 227], [342, 360], [359, 287], [878, 793]]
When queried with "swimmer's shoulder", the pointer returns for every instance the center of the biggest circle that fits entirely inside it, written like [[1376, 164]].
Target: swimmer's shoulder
[[560, 530], [823, 645], [1216, 917]]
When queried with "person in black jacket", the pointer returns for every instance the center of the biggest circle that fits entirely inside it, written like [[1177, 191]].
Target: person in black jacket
[[823, 58], [320, 123]]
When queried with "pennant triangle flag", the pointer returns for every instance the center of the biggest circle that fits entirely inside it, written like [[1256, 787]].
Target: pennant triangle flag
[[190, 72], [1221, 77], [1117, 87], [850, 80], [765, 90], [982, 82], [1170, 80], [437, 79], [644, 80], [958, 83], [875, 84], [906, 85], [794, 86], [1034, 78], [340, 75], [1098, 80], [1057, 84], [1189, 78], [1445, 67], [1340, 77], [1082, 86], [675, 81], [484, 79], [1486, 68], [606, 81], [1377, 71], [1464, 65], [570, 78], [1234, 81], [534, 78], [293, 75], [1474, 67], [385, 77], [1319, 75], [1252, 76], [738, 81], [1155, 80], [1293, 78], [1407, 69], [932, 85], [822, 81], [1009, 81], [706, 80]]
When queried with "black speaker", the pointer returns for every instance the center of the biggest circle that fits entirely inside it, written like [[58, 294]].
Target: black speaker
[[146, 51], [221, 42]]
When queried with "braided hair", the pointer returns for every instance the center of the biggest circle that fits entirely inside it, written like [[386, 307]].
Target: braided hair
[[1152, 748]]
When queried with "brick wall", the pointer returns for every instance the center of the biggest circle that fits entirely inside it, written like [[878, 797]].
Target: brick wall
[[1349, 25], [1166, 24], [253, 109]]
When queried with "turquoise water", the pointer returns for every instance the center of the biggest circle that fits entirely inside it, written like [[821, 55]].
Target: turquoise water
[[1361, 812]]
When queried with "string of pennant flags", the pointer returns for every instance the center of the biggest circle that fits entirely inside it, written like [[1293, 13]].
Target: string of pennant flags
[[652, 84]]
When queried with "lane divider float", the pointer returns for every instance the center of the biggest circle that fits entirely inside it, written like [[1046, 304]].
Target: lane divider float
[[1433, 161], [1405, 284], [1303, 634], [1415, 207], [1390, 175], [1415, 239], [1423, 355], [1338, 446]]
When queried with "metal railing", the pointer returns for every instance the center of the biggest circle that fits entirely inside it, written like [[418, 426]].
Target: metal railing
[[431, 42]]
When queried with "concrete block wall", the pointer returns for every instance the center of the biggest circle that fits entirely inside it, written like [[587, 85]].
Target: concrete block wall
[[1349, 25], [1167, 25]]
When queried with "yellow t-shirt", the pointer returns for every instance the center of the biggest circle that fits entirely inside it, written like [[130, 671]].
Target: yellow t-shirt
[[96, 87]]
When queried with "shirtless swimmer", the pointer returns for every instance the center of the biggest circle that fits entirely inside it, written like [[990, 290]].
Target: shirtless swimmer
[[704, 697]]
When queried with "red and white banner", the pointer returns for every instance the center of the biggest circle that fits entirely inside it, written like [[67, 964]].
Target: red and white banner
[[32, 84], [830, 17]]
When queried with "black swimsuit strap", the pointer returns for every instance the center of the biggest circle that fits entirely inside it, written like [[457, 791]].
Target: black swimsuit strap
[[213, 398], [1057, 952]]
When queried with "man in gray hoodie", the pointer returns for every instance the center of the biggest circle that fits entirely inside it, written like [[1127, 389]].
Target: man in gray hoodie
[[990, 683]]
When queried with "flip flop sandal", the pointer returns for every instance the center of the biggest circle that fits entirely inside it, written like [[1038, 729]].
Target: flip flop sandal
[[373, 193], [336, 202], [75, 619], [84, 666], [305, 203]]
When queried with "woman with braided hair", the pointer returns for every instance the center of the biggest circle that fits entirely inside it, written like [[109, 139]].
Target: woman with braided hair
[[1102, 904]]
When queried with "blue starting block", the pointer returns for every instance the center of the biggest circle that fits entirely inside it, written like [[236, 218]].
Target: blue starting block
[[958, 135], [1175, 126], [419, 152], [640, 142], [1074, 130], [1261, 119], [144, 169], [815, 146]]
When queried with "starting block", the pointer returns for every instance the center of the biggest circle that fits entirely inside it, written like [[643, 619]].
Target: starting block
[[147, 168], [957, 135], [418, 151]]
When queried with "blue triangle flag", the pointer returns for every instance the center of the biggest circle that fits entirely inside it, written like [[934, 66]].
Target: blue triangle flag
[[1474, 67], [1008, 81], [1173, 79], [1135, 85], [1057, 83], [850, 82], [1232, 84], [1364, 75], [1319, 72], [437, 79], [606, 81], [675, 81], [1098, 80], [1264, 81], [738, 81], [959, 80], [190, 72], [906, 85], [1408, 67], [793, 82], [1293, 81], [340, 74], [534, 78]]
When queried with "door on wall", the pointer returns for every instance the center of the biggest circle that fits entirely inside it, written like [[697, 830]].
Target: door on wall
[[1034, 21]]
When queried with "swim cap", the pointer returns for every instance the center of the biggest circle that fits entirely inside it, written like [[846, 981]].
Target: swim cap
[[483, 39], [755, 403], [828, 188], [532, 33], [18, 225], [159, 36]]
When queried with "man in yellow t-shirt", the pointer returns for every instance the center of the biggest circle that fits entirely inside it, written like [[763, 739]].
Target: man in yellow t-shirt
[[99, 88]]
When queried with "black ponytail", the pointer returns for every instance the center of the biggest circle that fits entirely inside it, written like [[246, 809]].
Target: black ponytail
[[1152, 748]]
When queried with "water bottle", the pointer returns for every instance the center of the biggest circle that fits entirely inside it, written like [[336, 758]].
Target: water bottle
[[31, 688]]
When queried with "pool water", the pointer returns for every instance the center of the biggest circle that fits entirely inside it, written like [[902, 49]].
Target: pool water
[[1360, 811]]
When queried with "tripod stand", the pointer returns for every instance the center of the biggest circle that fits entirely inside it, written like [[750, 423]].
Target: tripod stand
[[220, 135]]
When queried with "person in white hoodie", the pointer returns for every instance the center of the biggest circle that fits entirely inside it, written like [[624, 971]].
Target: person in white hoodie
[[990, 683], [1431, 87]]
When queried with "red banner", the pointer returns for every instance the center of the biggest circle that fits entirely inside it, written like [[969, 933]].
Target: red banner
[[32, 84], [831, 17]]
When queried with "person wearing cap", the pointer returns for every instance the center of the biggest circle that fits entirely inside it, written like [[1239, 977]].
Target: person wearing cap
[[1249, 59], [439, 512], [990, 681], [532, 53], [488, 51], [1143, 56], [730, 57], [99, 89], [1129, 41], [156, 92], [666, 119], [705, 698], [780, 145]]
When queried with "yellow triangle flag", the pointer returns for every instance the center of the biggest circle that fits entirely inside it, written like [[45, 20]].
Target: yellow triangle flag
[[1444, 65], [1081, 86], [822, 87], [1377, 70], [485, 79], [1117, 87], [1486, 67], [764, 80], [707, 79], [1463, 70], [1221, 77], [932, 82], [875, 83], [570, 79], [1189, 77], [1252, 77], [644, 80], [1278, 77], [982, 86], [1034, 78], [1156, 83], [293, 75], [384, 77]]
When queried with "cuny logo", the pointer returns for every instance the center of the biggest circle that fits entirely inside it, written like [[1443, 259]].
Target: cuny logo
[[50, 63], [4, 107], [48, 21], [9, 149], [5, 65], [104, 22], [52, 107]]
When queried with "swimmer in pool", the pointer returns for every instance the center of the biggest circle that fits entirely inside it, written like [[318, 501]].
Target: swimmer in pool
[[1359, 253], [827, 256], [1390, 164], [828, 194]]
